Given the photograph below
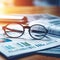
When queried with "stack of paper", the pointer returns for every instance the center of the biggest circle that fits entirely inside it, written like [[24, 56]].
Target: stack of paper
[[26, 45], [19, 47], [52, 23]]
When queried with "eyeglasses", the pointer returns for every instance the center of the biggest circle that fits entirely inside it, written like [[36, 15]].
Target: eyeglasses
[[15, 30]]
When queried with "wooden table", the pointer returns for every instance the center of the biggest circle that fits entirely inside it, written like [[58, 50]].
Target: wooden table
[[34, 57], [30, 10]]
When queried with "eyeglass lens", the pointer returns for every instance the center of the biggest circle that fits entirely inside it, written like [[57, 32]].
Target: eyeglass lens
[[14, 30], [38, 31]]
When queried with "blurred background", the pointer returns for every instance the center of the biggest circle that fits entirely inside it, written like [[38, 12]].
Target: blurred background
[[30, 6]]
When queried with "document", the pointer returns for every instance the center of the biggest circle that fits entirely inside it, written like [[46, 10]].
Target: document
[[55, 51], [50, 22], [26, 44]]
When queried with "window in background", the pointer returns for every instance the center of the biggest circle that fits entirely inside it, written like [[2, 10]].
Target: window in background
[[54, 2], [40, 3], [46, 2], [31, 3]]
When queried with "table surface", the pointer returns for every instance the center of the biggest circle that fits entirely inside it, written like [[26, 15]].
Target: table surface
[[30, 10], [34, 57], [33, 10]]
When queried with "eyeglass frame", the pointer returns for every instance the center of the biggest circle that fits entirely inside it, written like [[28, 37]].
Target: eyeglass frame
[[24, 27]]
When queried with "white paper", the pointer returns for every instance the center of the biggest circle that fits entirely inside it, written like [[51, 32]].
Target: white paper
[[26, 44]]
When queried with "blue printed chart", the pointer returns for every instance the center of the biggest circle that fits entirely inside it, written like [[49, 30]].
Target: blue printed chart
[[22, 46]]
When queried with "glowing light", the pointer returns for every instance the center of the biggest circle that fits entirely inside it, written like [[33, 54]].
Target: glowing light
[[1, 5]]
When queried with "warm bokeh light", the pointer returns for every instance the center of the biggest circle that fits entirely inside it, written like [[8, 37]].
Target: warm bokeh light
[[1, 5], [7, 2], [25, 7], [4, 4], [23, 2], [11, 7]]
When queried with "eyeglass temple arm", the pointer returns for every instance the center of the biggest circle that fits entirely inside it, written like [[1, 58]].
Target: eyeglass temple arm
[[12, 29]]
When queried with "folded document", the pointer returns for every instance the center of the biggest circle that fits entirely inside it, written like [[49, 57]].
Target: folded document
[[51, 22]]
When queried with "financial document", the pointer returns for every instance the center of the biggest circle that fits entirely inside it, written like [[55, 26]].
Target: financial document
[[26, 44]]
